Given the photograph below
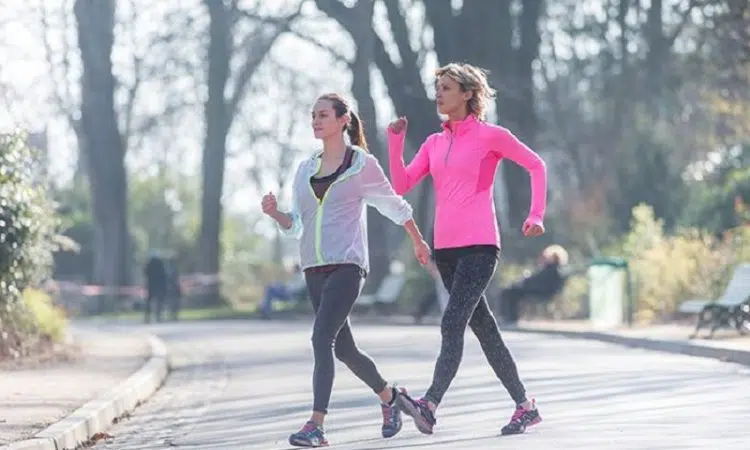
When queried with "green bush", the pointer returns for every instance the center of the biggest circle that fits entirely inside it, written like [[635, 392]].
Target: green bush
[[27, 241], [668, 269], [50, 318]]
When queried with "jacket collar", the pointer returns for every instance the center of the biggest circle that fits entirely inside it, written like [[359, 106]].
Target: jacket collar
[[464, 126], [358, 161]]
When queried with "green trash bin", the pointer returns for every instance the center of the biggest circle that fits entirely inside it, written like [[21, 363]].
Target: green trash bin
[[610, 304]]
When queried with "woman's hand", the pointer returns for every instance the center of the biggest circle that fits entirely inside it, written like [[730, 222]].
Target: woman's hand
[[399, 125]]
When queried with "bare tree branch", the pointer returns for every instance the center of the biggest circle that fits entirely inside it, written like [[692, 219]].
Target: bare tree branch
[[337, 10], [61, 88], [258, 46], [684, 20], [309, 38], [132, 91]]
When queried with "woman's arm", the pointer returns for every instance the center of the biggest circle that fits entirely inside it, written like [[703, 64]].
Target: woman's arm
[[509, 146], [406, 177]]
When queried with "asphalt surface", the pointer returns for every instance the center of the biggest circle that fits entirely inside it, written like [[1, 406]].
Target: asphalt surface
[[247, 385]]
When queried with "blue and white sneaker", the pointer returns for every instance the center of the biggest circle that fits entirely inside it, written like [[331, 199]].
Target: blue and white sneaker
[[311, 435], [392, 422]]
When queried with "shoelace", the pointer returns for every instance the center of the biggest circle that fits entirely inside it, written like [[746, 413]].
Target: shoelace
[[309, 430], [387, 414], [518, 415], [426, 411]]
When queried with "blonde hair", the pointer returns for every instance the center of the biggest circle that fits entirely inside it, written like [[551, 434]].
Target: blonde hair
[[556, 252], [470, 79]]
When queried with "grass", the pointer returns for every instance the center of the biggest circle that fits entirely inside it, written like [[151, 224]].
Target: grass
[[50, 319]]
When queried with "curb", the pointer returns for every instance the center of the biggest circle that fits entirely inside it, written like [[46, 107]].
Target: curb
[[690, 348], [96, 416]]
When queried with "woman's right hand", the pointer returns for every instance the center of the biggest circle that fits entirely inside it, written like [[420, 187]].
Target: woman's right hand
[[269, 205], [422, 251], [399, 125]]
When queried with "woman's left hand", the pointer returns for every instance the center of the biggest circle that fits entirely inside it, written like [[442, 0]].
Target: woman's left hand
[[533, 228]]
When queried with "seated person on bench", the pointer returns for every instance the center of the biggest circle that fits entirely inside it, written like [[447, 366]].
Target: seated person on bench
[[544, 284], [292, 290]]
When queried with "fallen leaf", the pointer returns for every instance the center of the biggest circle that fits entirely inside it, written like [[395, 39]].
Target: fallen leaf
[[99, 436]]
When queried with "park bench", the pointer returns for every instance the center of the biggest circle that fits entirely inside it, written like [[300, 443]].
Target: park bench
[[731, 309], [385, 298]]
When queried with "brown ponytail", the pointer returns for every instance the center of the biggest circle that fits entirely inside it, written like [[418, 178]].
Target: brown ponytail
[[355, 128], [356, 131]]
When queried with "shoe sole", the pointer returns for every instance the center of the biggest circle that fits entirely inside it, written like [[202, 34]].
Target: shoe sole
[[297, 443], [398, 429], [531, 424], [408, 408]]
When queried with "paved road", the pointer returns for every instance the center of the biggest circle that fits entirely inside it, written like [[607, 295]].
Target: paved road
[[246, 385]]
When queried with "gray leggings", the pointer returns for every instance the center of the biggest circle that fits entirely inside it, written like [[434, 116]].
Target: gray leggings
[[333, 295], [466, 276]]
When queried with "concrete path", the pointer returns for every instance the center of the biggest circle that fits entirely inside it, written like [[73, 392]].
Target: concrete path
[[37, 395], [246, 385]]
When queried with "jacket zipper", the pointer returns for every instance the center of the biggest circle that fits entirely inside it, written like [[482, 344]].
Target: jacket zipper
[[319, 211], [450, 145]]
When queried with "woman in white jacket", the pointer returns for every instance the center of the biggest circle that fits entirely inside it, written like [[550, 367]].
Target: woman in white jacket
[[330, 193]]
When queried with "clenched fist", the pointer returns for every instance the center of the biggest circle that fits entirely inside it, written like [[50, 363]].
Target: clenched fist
[[399, 125], [269, 205], [533, 228]]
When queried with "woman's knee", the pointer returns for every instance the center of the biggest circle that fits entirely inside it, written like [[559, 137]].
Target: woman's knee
[[452, 326], [345, 352], [322, 340]]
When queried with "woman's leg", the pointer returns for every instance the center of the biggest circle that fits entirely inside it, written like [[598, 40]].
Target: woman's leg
[[465, 277], [312, 433], [467, 283], [333, 296], [335, 292], [485, 328], [339, 296], [345, 285]]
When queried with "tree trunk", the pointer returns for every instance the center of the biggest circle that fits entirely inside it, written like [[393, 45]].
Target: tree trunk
[[220, 109], [407, 91], [377, 225], [524, 124], [105, 155], [214, 146]]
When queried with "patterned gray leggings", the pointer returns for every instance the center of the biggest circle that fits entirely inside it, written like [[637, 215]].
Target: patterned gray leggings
[[466, 276]]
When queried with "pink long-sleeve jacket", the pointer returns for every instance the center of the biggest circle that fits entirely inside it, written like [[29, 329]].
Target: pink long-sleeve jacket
[[463, 160]]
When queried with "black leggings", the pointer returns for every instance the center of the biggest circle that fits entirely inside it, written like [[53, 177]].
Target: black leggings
[[333, 295], [466, 276]]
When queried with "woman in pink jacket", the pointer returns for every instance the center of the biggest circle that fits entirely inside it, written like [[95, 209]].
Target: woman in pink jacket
[[462, 160]]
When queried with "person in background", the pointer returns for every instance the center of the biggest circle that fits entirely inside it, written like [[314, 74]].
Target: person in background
[[156, 286], [546, 282], [294, 288], [174, 291]]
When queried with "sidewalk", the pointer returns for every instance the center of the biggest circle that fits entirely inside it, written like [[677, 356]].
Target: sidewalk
[[727, 345], [32, 398]]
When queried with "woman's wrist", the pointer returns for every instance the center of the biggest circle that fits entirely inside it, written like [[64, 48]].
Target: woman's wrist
[[413, 231]]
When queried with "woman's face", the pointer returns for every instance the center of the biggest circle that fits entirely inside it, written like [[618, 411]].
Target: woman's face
[[325, 124], [449, 97]]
